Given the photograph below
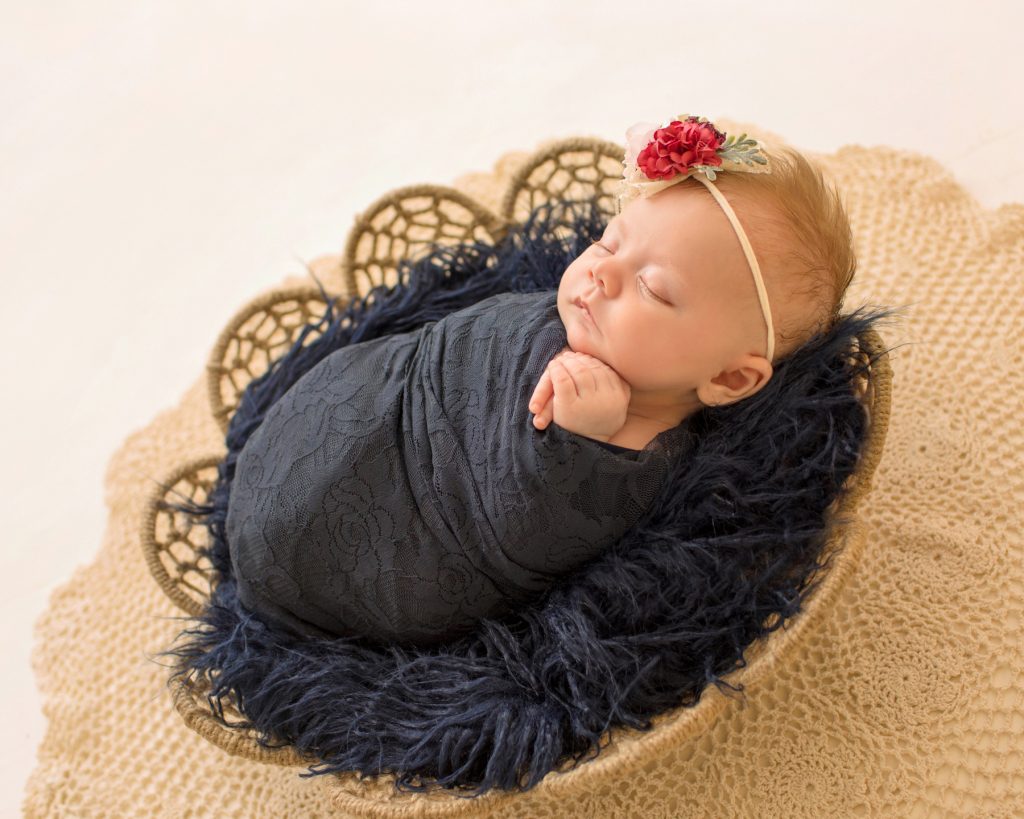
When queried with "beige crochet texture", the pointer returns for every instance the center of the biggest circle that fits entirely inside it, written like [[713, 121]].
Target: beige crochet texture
[[898, 692]]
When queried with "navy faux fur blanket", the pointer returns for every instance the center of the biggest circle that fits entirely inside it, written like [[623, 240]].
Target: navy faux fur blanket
[[732, 542]]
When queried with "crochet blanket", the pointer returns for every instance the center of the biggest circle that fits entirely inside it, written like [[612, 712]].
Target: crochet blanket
[[900, 699], [399, 492]]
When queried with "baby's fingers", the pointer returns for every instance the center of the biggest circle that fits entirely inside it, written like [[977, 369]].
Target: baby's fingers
[[543, 418], [542, 402], [542, 393], [562, 380], [584, 370]]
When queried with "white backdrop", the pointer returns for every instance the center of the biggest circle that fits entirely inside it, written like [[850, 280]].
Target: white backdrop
[[163, 161]]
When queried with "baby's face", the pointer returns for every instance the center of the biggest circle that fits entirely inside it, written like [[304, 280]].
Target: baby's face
[[670, 298]]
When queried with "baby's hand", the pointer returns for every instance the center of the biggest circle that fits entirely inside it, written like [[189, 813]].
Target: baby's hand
[[582, 394]]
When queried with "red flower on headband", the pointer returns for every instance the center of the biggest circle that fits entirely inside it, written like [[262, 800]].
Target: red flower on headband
[[679, 146]]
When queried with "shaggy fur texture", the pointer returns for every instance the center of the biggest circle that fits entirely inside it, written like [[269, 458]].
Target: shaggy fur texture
[[724, 556]]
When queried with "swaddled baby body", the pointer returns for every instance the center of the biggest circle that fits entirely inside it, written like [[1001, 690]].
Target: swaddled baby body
[[398, 491], [408, 486]]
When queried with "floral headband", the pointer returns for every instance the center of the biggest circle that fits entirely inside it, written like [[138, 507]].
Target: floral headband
[[691, 146]]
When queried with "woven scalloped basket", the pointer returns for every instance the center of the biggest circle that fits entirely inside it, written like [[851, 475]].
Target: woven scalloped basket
[[897, 691]]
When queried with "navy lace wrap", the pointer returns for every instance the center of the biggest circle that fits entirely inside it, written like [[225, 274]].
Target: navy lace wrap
[[400, 492]]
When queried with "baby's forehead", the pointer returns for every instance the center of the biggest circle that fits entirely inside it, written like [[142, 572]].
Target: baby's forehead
[[673, 222], [692, 213], [678, 205]]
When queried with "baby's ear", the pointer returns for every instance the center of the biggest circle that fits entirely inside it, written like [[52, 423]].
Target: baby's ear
[[749, 374]]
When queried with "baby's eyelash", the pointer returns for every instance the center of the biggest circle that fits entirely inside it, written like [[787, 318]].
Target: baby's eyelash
[[653, 294]]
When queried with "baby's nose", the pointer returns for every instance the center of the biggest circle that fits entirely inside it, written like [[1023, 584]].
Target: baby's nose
[[601, 275]]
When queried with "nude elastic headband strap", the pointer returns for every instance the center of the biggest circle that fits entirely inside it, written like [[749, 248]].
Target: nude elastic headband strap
[[762, 294]]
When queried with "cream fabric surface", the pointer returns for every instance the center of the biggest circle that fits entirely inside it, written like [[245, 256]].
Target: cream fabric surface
[[906, 699]]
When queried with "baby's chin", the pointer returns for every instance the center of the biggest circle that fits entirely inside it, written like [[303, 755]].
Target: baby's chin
[[579, 341]]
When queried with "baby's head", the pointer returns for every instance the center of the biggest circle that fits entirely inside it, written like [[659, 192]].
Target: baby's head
[[672, 301]]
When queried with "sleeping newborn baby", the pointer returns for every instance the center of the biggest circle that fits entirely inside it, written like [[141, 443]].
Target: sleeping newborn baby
[[407, 486]]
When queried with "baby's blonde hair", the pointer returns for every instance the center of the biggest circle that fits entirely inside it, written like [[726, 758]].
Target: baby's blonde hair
[[802, 238]]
